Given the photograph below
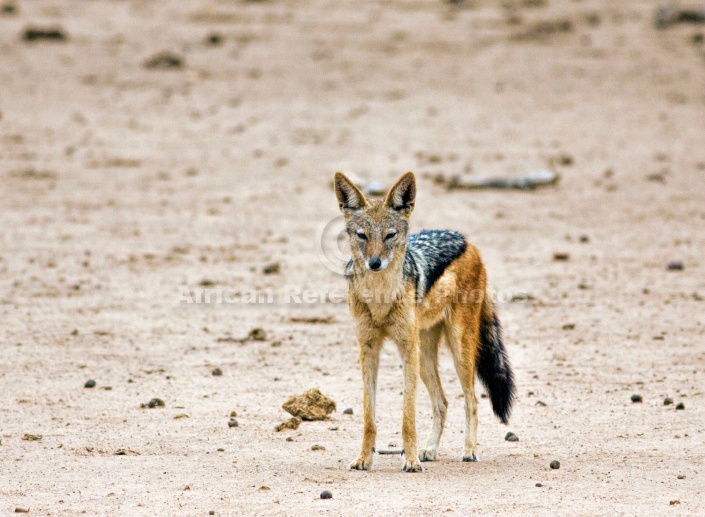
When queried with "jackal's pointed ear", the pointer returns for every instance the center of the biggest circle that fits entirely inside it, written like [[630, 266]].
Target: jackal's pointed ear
[[349, 196], [402, 195]]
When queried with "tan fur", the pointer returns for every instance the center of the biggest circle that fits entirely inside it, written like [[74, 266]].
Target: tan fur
[[383, 305]]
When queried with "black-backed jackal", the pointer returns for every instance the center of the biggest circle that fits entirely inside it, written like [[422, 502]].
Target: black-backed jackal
[[414, 289]]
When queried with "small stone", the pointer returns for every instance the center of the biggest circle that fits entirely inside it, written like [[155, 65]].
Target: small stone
[[584, 239], [19, 509], [326, 494], [680, 405], [555, 464], [675, 265], [511, 437], [180, 416], [348, 411], [271, 269], [566, 160], [217, 372], [539, 485], [289, 438], [293, 423], [214, 39], [32, 437], [90, 383], [8, 8], [44, 34], [568, 326], [233, 423], [336, 428], [233, 414], [561, 256], [258, 334], [211, 512], [636, 398], [674, 502], [318, 448], [155, 403], [540, 403], [164, 61], [667, 401], [681, 476]]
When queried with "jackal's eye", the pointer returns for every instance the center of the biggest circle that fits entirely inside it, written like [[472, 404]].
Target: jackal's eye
[[361, 235], [390, 234]]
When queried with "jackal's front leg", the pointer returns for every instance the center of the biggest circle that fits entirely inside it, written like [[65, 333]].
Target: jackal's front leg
[[409, 350], [369, 362]]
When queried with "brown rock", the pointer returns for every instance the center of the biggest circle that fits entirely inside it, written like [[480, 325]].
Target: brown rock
[[312, 405]]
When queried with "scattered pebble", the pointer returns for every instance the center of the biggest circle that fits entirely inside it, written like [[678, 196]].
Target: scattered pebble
[[258, 334], [566, 160], [44, 34], [348, 411], [181, 415], [680, 405], [568, 326], [681, 476], [584, 239], [19, 509], [164, 61], [318, 448], [289, 438], [233, 414], [637, 398], [154, 403], [32, 437], [511, 437], [539, 485], [271, 269], [674, 502], [326, 494], [211, 512], [90, 383], [667, 401], [8, 8], [293, 423], [675, 265], [561, 256], [336, 427], [555, 464], [540, 403], [232, 423], [217, 372], [214, 39], [126, 452]]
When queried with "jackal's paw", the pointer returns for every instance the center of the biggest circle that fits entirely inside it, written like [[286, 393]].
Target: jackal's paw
[[428, 454], [362, 463], [411, 465], [471, 456]]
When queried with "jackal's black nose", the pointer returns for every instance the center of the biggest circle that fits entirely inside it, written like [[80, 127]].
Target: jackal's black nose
[[375, 263]]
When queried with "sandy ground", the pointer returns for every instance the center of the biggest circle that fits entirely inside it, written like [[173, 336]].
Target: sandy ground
[[122, 188]]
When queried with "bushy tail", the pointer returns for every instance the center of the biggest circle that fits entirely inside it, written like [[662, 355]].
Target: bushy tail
[[493, 366]]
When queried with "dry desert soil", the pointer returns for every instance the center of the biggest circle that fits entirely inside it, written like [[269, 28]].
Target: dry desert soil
[[131, 182]]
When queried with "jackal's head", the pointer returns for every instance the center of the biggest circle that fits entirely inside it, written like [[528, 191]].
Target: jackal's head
[[377, 229]]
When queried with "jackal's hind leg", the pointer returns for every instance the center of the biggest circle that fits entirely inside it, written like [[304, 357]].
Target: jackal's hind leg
[[429, 340]]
